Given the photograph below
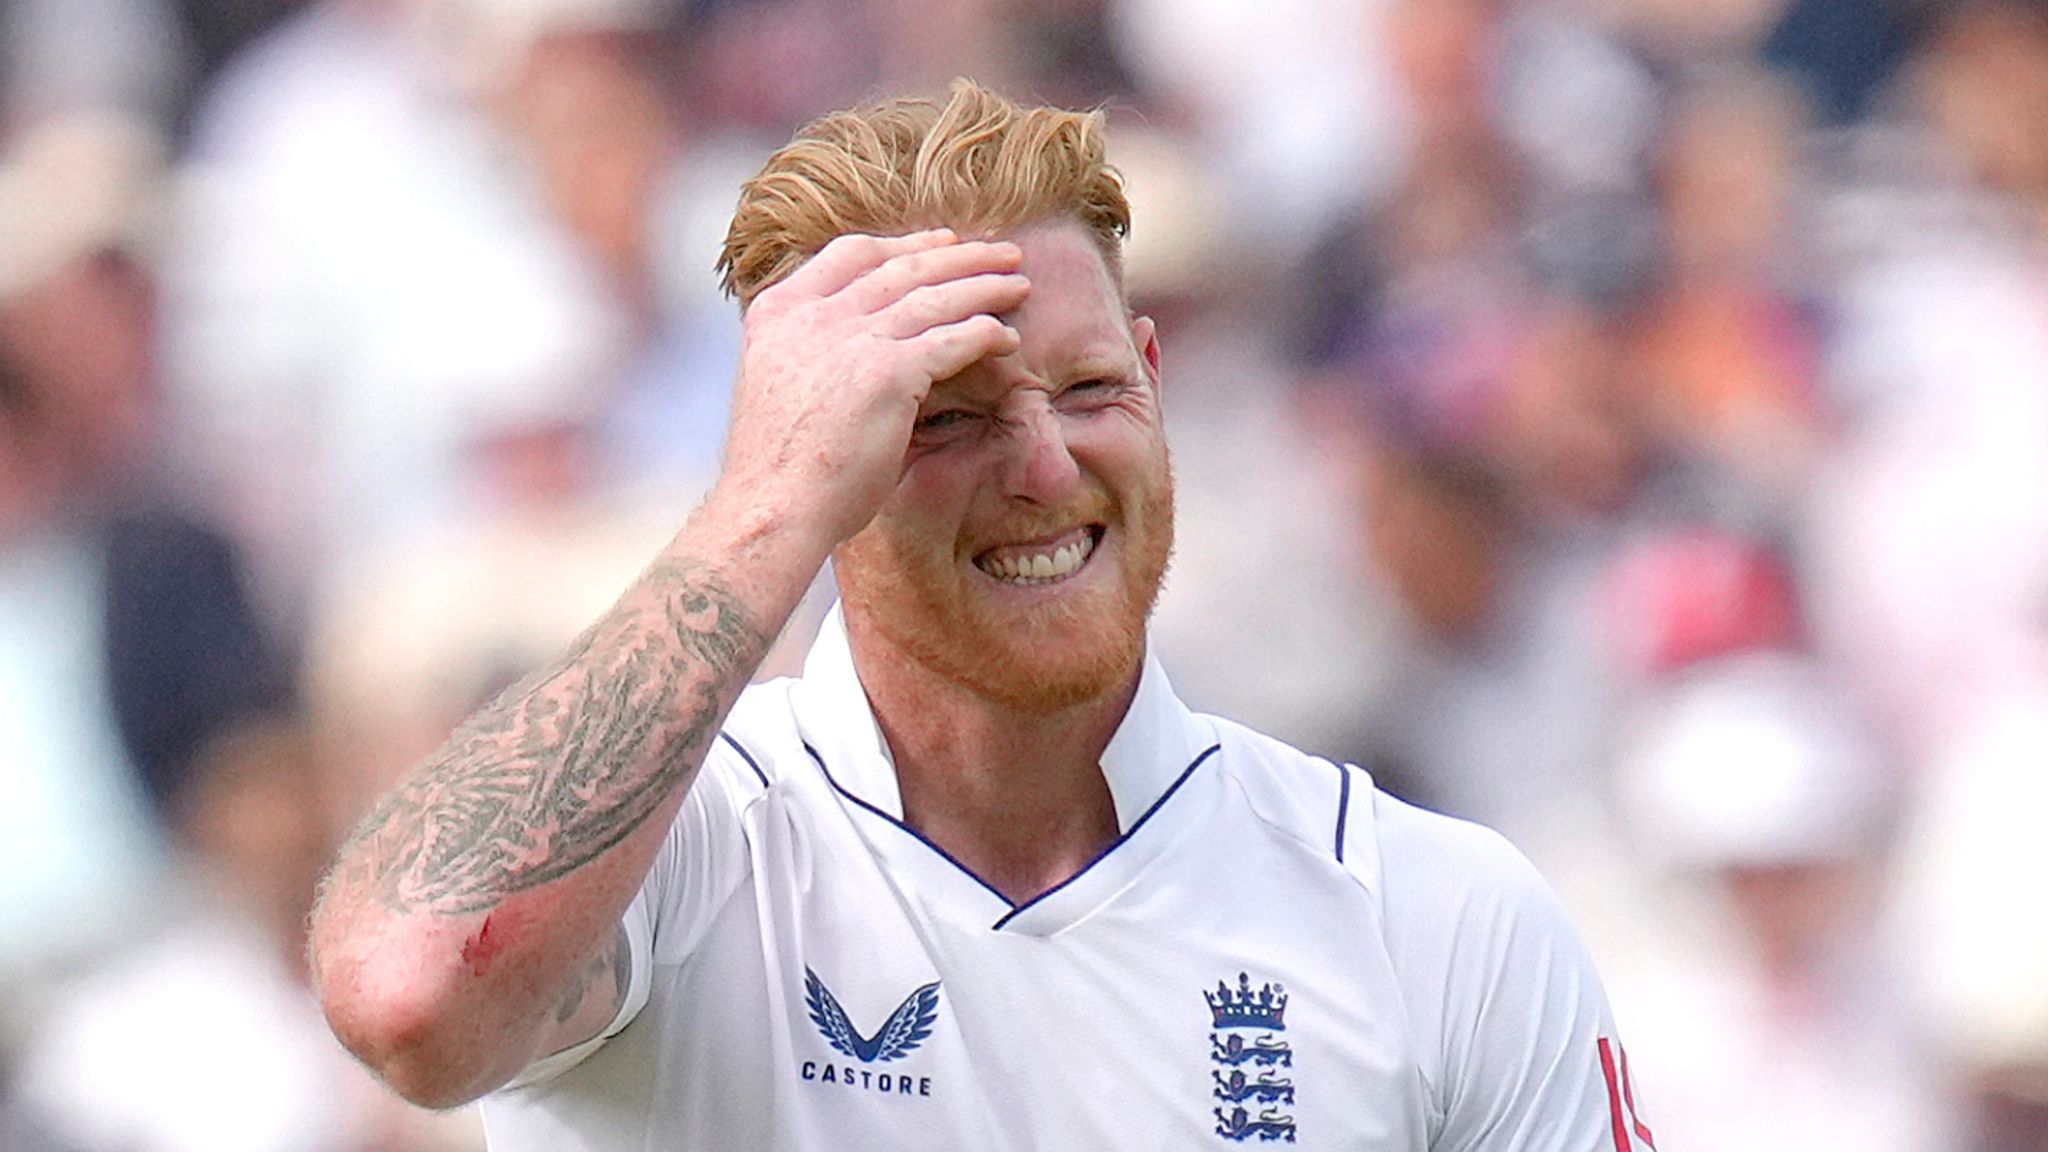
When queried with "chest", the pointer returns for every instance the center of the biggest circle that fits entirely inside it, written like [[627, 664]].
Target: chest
[[1228, 988]]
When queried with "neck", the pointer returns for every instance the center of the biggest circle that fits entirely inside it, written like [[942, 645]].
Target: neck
[[1016, 796]]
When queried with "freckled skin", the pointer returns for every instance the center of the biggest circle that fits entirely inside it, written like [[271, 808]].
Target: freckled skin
[[550, 803], [1064, 432], [471, 916], [997, 698]]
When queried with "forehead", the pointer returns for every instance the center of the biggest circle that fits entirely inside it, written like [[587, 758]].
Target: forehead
[[1074, 317], [1072, 293]]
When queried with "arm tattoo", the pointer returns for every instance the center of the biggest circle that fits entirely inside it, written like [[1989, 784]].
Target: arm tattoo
[[568, 762], [615, 960]]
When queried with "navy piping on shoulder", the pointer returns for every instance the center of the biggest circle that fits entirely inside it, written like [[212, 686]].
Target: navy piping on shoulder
[[912, 832], [1343, 806], [1018, 910], [747, 756]]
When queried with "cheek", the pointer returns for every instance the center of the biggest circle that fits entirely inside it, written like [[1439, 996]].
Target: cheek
[[933, 499], [1122, 452]]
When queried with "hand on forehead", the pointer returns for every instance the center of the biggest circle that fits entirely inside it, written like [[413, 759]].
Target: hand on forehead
[[1073, 324]]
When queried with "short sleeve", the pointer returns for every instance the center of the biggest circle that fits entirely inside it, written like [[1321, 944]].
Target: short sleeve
[[702, 862], [1524, 1050], [639, 950]]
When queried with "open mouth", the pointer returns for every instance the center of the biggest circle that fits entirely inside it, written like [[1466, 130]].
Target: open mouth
[[1047, 561]]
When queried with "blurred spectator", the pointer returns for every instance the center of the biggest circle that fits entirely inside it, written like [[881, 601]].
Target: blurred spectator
[[1751, 967], [434, 627], [365, 275], [130, 642], [1293, 103], [565, 490], [1748, 952], [1924, 527], [1728, 351], [1936, 546], [1286, 645], [1971, 909], [1497, 448], [584, 97], [1930, 518], [201, 1035]]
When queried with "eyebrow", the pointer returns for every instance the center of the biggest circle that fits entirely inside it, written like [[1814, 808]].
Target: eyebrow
[[1098, 365], [1097, 358], [1094, 363]]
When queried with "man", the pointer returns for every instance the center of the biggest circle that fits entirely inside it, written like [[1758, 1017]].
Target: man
[[977, 879]]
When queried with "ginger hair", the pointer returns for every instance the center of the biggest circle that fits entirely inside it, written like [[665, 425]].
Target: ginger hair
[[979, 164]]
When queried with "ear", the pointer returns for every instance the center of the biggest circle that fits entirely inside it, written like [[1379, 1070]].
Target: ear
[[1145, 334]]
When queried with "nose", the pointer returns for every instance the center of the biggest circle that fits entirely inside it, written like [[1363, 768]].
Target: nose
[[1037, 464]]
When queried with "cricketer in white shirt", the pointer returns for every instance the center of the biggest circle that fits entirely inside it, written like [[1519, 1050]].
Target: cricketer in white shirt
[[977, 879], [1272, 950]]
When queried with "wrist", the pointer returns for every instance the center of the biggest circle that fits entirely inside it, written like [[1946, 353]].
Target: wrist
[[758, 542]]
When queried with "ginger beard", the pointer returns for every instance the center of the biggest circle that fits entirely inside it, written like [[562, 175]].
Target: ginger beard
[[926, 599]]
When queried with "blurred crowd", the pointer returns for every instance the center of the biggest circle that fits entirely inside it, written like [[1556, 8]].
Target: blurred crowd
[[1623, 422]]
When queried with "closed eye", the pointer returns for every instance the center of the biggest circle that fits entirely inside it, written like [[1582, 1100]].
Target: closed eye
[[1086, 395], [943, 418]]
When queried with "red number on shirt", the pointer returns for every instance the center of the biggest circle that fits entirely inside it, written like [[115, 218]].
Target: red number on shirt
[[1621, 1098]]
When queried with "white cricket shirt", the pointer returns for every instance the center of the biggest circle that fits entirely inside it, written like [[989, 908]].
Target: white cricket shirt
[[1272, 952]]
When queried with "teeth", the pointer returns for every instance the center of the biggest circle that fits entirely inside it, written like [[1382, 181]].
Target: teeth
[[1041, 567]]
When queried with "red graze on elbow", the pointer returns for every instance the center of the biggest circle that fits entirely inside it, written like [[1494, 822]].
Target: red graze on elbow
[[479, 950]]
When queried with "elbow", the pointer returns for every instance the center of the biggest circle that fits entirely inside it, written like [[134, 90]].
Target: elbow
[[421, 1044], [413, 1048]]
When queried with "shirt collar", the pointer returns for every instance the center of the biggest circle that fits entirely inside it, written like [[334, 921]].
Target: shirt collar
[[1153, 745]]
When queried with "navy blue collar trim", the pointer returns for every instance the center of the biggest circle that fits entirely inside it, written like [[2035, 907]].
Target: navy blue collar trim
[[1343, 806], [1015, 909], [1117, 843], [747, 756], [919, 836]]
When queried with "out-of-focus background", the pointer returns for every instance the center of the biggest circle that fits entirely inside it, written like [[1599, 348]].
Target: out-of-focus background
[[1624, 422]]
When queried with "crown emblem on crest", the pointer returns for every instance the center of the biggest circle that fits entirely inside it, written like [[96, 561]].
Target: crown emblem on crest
[[1244, 1008]]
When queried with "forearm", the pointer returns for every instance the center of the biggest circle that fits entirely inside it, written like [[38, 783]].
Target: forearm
[[461, 915], [465, 911]]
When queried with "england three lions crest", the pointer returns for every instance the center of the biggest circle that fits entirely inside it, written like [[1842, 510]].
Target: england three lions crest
[[1247, 1043]]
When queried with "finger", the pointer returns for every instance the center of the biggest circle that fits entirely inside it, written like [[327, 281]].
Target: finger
[[848, 257], [901, 275], [936, 305], [946, 350]]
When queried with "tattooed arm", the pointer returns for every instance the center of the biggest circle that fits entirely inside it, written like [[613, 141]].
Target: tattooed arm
[[466, 926], [470, 925]]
